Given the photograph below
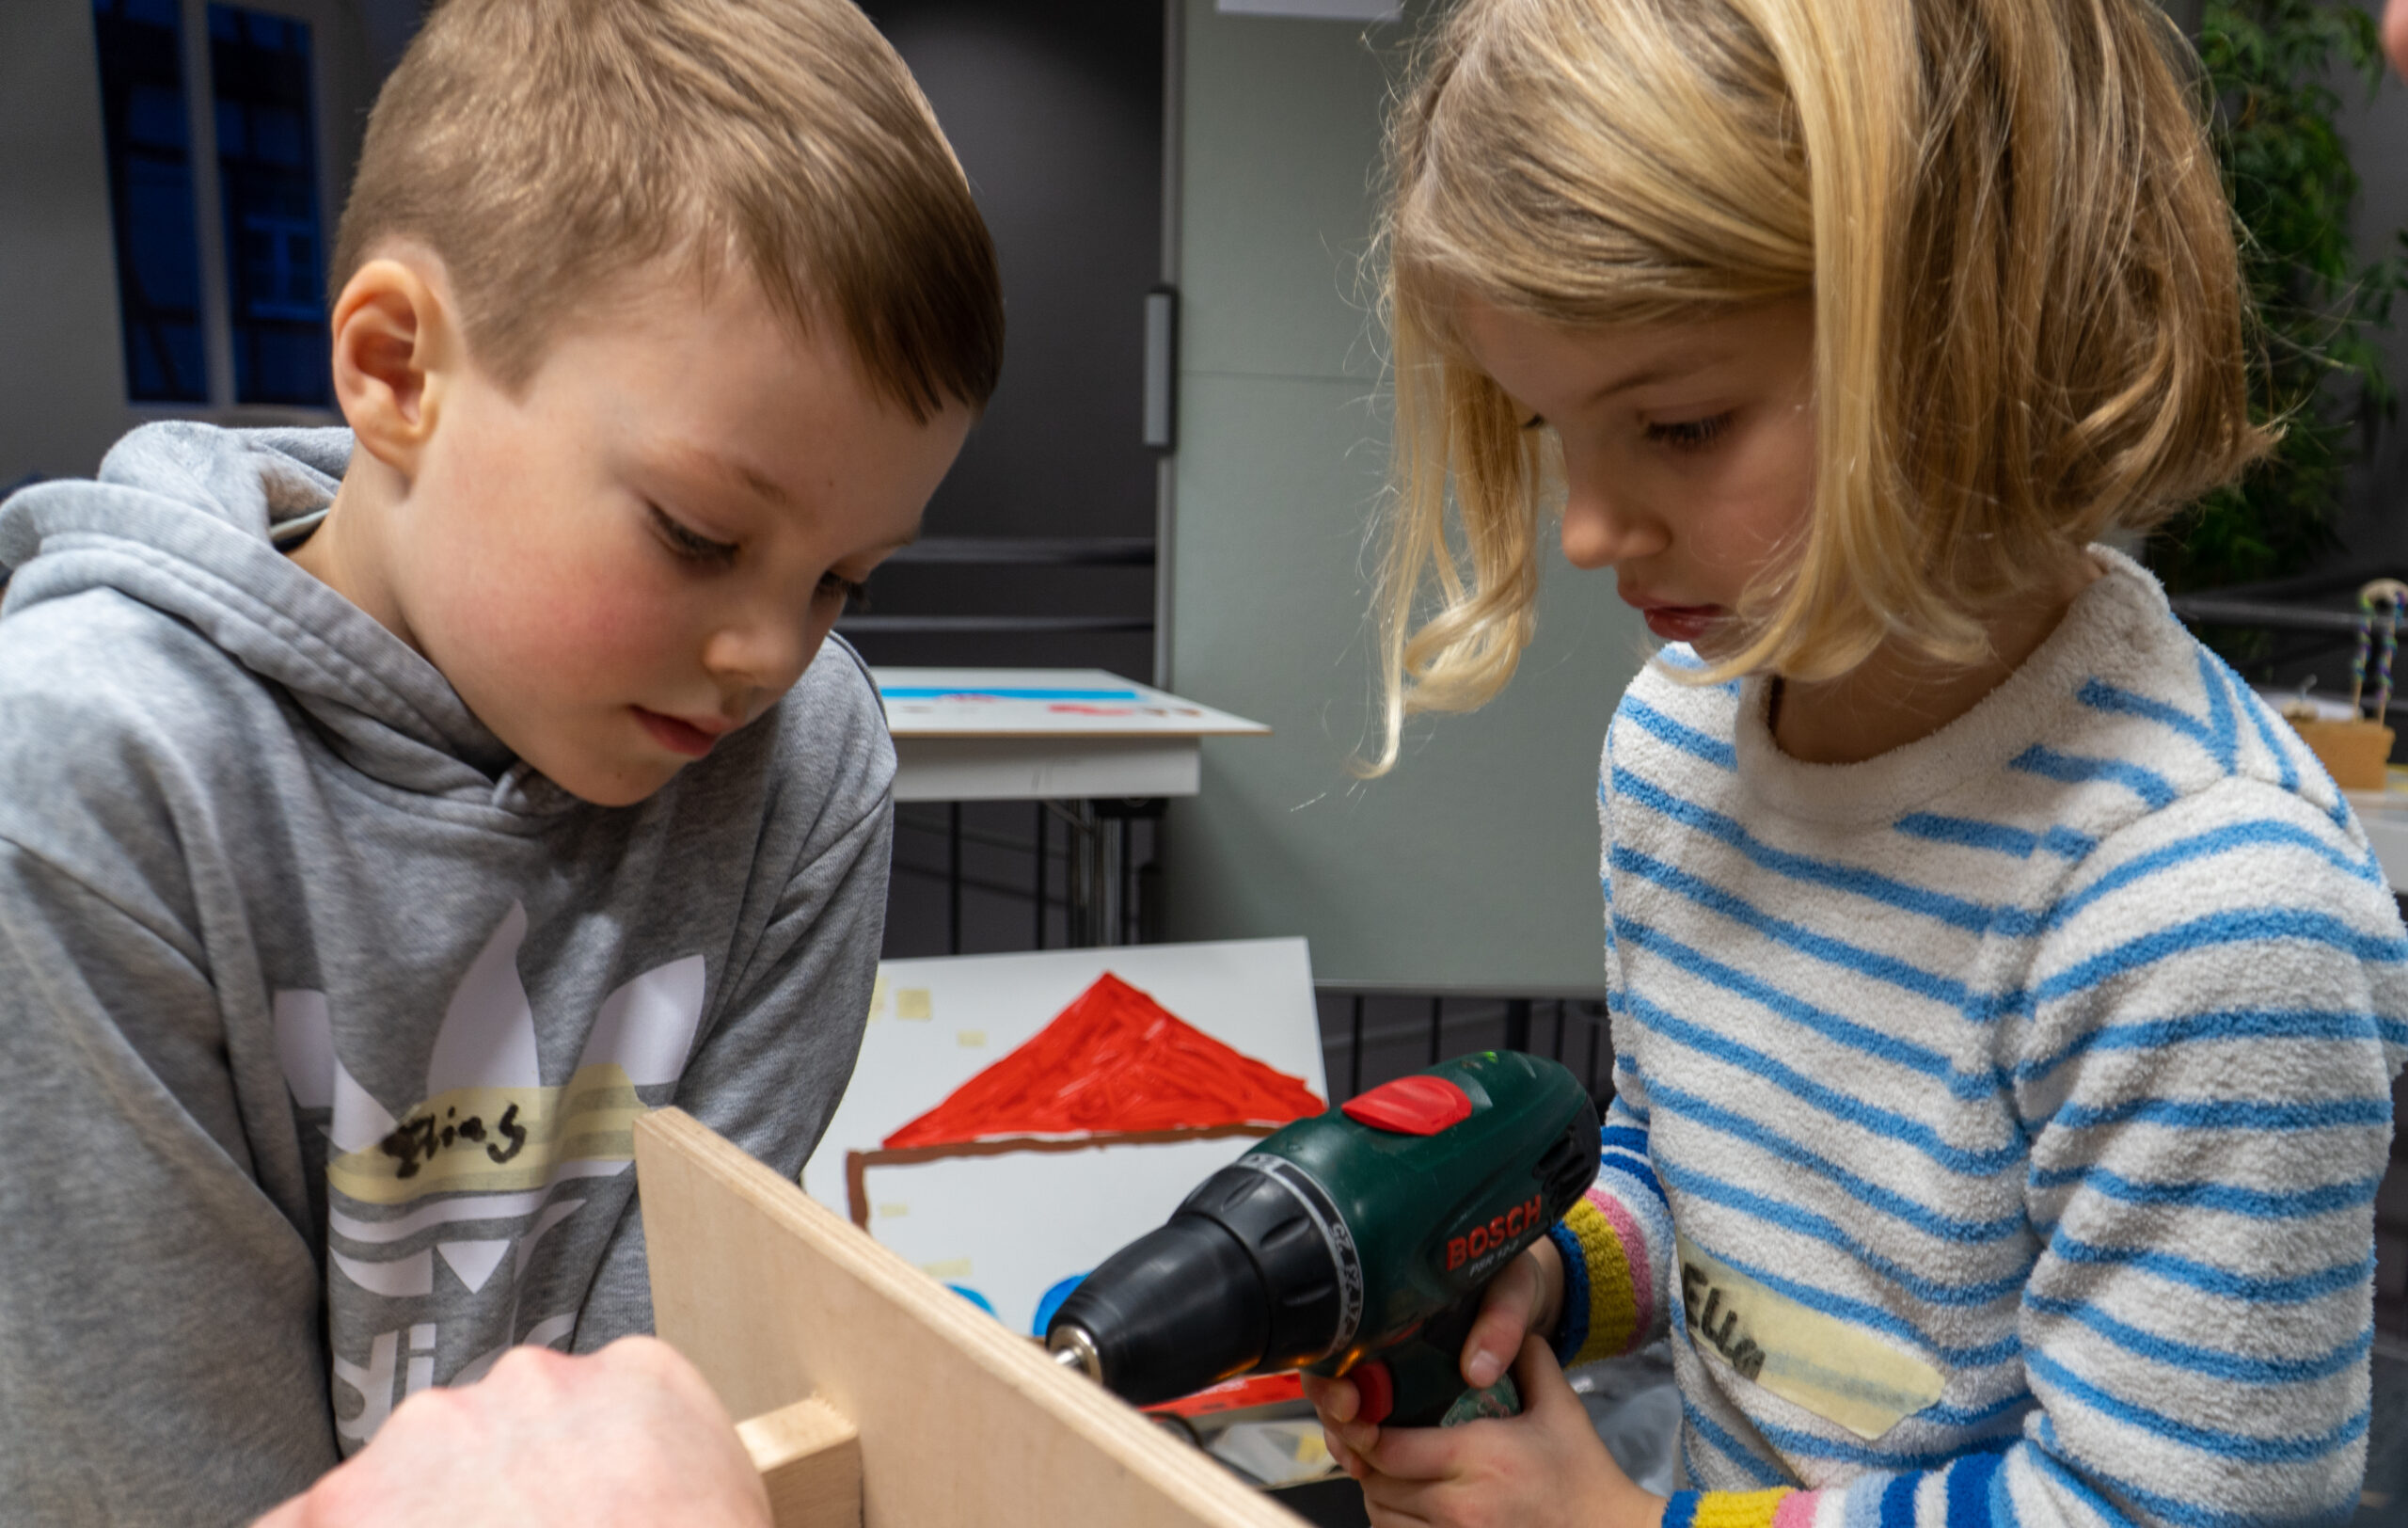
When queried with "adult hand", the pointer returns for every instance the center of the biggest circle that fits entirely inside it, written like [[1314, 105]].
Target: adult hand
[[1525, 1297], [629, 1435], [1543, 1469], [2395, 34]]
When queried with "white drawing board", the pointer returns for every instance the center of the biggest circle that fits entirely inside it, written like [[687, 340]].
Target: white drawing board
[[1008, 703], [1011, 1227]]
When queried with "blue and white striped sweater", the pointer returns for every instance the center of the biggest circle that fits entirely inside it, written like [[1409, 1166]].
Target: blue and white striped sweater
[[2052, 1050]]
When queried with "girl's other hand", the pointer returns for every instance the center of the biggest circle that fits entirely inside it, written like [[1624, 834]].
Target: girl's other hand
[[1543, 1469]]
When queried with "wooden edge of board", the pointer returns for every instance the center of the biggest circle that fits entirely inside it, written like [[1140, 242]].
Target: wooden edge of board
[[1112, 1427], [810, 1460]]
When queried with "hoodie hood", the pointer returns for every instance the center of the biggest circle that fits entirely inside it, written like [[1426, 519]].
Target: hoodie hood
[[179, 519]]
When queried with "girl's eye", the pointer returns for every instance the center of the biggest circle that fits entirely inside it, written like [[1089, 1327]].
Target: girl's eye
[[843, 590], [687, 543], [1689, 435]]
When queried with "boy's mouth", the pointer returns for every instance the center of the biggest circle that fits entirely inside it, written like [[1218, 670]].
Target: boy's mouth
[[676, 735]]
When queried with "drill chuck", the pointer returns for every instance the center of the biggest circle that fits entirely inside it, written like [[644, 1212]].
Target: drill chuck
[[1254, 1271], [1073, 1348]]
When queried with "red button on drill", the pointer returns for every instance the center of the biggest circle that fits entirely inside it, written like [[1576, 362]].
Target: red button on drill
[[1410, 1106], [1375, 1393]]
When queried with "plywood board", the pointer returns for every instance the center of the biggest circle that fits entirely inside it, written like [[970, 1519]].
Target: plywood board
[[775, 1297], [1009, 1228]]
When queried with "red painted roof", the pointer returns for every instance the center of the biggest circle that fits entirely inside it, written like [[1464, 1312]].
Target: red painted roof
[[1115, 1060]]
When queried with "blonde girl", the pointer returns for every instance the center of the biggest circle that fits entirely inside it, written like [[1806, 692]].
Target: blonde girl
[[2005, 1004]]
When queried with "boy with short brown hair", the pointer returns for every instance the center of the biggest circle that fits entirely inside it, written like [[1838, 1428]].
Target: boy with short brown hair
[[387, 816]]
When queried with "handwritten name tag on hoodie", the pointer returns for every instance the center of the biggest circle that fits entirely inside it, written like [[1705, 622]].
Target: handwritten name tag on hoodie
[[1844, 1373]]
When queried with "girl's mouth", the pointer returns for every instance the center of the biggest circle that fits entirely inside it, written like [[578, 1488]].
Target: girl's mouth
[[1682, 623]]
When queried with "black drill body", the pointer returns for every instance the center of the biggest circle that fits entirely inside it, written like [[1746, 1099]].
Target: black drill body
[[1355, 1242]]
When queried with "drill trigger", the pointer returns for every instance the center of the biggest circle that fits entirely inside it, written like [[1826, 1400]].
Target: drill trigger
[[1376, 1389]]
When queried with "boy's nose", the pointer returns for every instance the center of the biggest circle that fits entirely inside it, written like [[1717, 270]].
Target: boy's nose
[[1600, 530], [763, 653]]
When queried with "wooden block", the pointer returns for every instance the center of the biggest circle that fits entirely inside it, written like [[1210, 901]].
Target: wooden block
[[809, 1460], [774, 1297], [2354, 752]]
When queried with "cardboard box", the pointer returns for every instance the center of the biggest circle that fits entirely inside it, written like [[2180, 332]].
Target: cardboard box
[[2354, 752]]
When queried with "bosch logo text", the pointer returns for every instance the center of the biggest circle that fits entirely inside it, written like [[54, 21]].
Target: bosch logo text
[[1501, 1230]]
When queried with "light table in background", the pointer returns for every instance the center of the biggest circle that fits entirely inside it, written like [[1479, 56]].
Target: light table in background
[[1083, 740]]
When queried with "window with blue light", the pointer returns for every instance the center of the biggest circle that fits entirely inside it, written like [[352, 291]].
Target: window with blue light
[[267, 175], [147, 129], [238, 316]]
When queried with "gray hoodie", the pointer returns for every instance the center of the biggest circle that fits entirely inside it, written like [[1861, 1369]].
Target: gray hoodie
[[323, 1021]]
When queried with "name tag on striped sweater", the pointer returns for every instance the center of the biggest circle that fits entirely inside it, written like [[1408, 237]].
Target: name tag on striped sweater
[[1843, 1373]]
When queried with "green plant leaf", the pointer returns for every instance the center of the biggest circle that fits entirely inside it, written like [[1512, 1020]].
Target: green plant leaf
[[2316, 367]]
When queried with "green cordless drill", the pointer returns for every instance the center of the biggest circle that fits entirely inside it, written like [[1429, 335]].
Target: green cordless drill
[[1353, 1243]]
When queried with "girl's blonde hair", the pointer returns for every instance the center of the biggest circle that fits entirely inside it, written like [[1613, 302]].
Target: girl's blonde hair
[[2029, 317]]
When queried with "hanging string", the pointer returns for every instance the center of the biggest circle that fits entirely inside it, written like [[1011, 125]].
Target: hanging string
[[2391, 595], [2358, 654]]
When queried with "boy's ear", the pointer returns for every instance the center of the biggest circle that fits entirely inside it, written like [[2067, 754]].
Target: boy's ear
[[394, 348]]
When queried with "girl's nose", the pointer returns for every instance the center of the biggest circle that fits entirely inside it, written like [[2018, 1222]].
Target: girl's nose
[[1602, 528]]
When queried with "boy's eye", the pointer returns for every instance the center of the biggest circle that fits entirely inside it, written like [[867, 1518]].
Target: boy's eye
[[843, 590], [1689, 435], [687, 543]]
